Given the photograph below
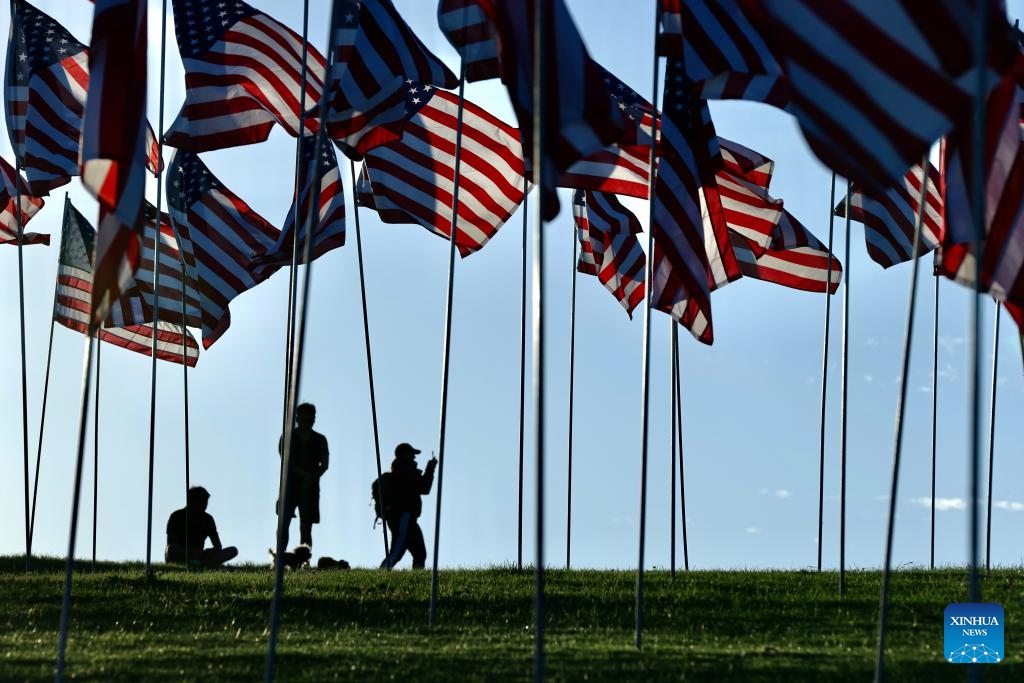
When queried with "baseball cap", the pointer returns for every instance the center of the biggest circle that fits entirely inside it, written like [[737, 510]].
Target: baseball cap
[[405, 449]]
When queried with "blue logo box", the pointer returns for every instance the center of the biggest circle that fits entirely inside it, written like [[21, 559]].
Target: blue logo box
[[973, 633]]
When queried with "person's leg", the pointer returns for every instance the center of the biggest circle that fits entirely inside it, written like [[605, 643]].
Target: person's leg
[[399, 538], [305, 531], [174, 552], [213, 557], [417, 548]]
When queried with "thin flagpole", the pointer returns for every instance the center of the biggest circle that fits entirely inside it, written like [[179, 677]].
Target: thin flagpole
[[522, 373], [824, 374], [572, 379], [46, 390], [672, 454], [935, 411], [96, 450], [65, 610], [645, 377], [540, 47], [679, 449], [445, 361], [369, 356], [844, 403], [296, 375], [156, 291], [992, 441], [184, 387], [24, 372], [908, 336]]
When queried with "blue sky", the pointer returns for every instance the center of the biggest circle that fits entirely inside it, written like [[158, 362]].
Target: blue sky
[[750, 402]]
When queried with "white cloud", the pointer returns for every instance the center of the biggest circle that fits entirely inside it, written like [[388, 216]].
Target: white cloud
[[782, 493], [948, 372], [1011, 505], [752, 530], [763, 492], [869, 378], [872, 342], [941, 504], [949, 344]]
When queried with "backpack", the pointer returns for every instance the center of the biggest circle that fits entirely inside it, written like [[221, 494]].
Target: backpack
[[382, 488]]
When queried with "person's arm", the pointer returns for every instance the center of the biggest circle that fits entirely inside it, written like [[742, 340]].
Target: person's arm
[[214, 536], [427, 478], [325, 457]]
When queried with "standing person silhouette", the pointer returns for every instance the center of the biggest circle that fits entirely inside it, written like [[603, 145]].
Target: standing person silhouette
[[406, 484], [307, 463]]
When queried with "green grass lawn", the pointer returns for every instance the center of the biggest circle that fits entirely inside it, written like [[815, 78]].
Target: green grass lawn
[[369, 625]]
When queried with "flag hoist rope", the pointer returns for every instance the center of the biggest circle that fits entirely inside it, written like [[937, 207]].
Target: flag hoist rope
[[824, 369], [901, 405], [446, 357], [672, 453], [935, 406], [572, 381], [366, 340], [992, 439], [646, 362], [96, 450], [677, 392], [522, 371], [844, 399]]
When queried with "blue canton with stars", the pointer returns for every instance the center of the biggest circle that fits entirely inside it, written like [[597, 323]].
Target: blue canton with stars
[[682, 106], [628, 101], [416, 96], [40, 41], [198, 24], [328, 160], [77, 243], [190, 180]]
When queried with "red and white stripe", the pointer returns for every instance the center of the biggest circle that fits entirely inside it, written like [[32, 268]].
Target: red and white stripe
[[12, 188], [469, 27], [795, 259], [171, 278], [416, 174], [742, 185], [607, 233]]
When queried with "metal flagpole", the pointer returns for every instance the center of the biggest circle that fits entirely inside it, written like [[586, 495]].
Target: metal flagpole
[[672, 454], [296, 368], [156, 291], [540, 48], [843, 403], [645, 377], [824, 373], [992, 441], [901, 403], [679, 449], [369, 357], [445, 361], [522, 374], [96, 449], [65, 610], [184, 381], [935, 405], [46, 389], [572, 378]]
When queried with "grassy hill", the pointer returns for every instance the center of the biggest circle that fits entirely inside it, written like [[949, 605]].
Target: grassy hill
[[369, 625]]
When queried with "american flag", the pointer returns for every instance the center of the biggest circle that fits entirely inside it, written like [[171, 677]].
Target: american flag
[[329, 231], [1002, 262], [692, 254], [243, 74], [469, 27], [46, 84], [889, 219], [13, 186], [622, 168], [609, 248], [177, 272], [74, 293], [742, 185], [725, 56], [375, 54], [795, 258], [224, 236], [416, 174], [580, 118], [873, 84], [114, 144]]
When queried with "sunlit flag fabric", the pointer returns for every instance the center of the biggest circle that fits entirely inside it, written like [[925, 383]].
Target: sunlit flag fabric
[[610, 249], [890, 218], [469, 27], [243, 74], [12, 188], [224, 235], [690, 256], [725, 56], [873, 84], [375, 53], [74, 292], [416, 174], [176, 264], [114, 144], [742, 184], [795, 258], [329, 229], [580, 117]]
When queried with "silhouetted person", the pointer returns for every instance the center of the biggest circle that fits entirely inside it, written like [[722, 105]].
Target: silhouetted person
[[188, 529], [307, 463], [403, 504]]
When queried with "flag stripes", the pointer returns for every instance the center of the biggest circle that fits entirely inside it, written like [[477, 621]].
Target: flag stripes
[[13, 187], [607, 232], [469, 27], [795, 258]]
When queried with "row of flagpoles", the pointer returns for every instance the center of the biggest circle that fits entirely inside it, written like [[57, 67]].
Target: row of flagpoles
[[111, 168]]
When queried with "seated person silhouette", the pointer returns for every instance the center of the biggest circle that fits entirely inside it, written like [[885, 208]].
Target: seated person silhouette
[[188, 529]]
